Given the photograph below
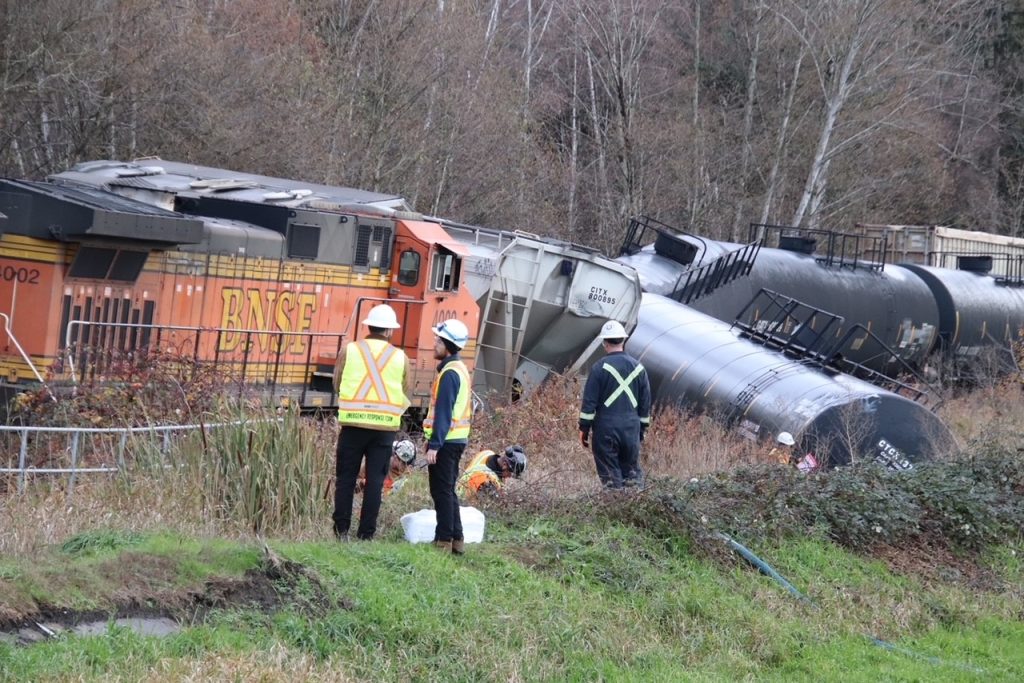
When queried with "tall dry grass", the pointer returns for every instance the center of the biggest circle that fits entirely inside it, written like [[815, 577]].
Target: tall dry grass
[[274, 478]]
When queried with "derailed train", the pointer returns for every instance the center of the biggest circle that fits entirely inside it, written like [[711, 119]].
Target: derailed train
[[819, 317], [271, 276]]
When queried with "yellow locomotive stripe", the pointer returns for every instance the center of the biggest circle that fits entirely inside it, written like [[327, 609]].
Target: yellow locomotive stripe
[[32, 249]]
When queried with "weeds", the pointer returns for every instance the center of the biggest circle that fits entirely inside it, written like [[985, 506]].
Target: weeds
[[99, 540]]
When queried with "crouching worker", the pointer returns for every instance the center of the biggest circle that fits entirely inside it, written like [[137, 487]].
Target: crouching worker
[[487, 472], [786, 453], [403, 455]]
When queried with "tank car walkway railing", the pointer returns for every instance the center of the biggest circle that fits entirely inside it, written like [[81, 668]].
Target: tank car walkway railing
[[1006, 269], [695, 284], [830, 248], [667, 241], [811, 334], [73, 451]]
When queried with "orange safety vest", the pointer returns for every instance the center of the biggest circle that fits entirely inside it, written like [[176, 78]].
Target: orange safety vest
[[462, 412], [477, 474], [370, 394]]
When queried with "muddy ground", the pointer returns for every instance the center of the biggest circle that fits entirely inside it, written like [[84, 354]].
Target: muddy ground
[[148, 605]]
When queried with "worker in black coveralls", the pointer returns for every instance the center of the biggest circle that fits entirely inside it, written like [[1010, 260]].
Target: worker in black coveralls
[[617, 407]]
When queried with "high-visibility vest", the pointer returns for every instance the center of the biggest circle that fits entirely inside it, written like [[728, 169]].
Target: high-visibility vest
[[462, 412], [477, 474], [370, 393]]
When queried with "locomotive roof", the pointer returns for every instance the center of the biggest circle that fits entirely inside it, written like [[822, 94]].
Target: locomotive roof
[[183, 178], [77, 211]]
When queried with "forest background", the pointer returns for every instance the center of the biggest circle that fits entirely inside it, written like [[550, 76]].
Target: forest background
[[560, 117]]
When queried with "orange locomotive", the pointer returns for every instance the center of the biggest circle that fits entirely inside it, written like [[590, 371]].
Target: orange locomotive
[[264, 280]]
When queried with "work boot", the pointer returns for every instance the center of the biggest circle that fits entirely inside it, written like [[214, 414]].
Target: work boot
[[458, 546], [443, 546]]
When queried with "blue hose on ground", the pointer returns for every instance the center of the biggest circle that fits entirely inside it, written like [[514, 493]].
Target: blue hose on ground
[[767, 570]]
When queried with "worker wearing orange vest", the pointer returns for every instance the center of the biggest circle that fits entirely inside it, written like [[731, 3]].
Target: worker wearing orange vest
[[447, 431], [487, 472], [372, 396]]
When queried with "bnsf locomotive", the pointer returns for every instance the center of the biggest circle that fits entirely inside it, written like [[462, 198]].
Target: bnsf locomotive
[[269, 284]]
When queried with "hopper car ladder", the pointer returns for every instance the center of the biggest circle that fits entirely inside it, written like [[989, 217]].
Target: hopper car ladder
[[810, 334], [507, 316]]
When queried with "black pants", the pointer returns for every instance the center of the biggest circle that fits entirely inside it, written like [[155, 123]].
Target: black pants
[[355, 443], [442, 476], [617, 454]]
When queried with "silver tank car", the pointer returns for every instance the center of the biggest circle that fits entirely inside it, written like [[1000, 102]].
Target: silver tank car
[[895, 305], [703, 363]]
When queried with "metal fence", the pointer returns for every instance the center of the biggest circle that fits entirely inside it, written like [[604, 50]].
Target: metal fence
[[30, 451]]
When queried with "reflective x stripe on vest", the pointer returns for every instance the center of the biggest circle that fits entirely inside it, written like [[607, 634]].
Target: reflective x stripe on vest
[[623, 384], [462, 412], [371, 392]]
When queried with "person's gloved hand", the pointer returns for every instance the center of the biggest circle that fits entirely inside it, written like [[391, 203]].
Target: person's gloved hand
[[643, 430], [585, 438]]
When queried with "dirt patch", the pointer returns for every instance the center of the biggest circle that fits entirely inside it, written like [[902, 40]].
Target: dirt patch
[[276, 584], [939, 565]]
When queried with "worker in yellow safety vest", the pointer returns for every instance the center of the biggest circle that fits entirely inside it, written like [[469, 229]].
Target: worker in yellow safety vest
[[447, 431], [487, 472], [372, 383]]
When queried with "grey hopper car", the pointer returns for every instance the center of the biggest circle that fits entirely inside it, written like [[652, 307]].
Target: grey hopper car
[[700, 362]]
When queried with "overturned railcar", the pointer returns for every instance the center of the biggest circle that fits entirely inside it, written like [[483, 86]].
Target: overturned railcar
[[538, 303], [703, 363], [980, 316], [890, 314]]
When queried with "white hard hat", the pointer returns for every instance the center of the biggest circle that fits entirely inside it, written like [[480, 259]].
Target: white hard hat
[[382, 316], [612, 329], [405, 450], [454, 331], [785, 438]]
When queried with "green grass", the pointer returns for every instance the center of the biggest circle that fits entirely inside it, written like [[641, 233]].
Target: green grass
[[551, 599]]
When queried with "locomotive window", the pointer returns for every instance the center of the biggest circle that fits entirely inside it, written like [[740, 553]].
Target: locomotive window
[[127, 265], [409, 268], [303, 241], [92, 262], [97, 263], [446, 271]]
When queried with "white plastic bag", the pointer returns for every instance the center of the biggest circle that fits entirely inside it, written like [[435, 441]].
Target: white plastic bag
[[419, 526]]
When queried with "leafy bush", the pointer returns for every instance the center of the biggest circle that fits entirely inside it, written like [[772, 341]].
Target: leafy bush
[[966, 504]]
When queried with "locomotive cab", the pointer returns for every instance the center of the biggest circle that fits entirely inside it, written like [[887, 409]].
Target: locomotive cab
[[426, 289]]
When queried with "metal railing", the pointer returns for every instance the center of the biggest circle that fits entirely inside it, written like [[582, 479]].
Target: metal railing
[[87, 450]]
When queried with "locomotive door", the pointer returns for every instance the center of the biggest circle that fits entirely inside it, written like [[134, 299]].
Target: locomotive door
[[408, 283]]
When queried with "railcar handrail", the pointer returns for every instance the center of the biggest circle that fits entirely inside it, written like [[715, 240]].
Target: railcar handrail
[[70, 339], [840, 249], [699, 282], [799, 329], [25, 356], [639, 226]]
